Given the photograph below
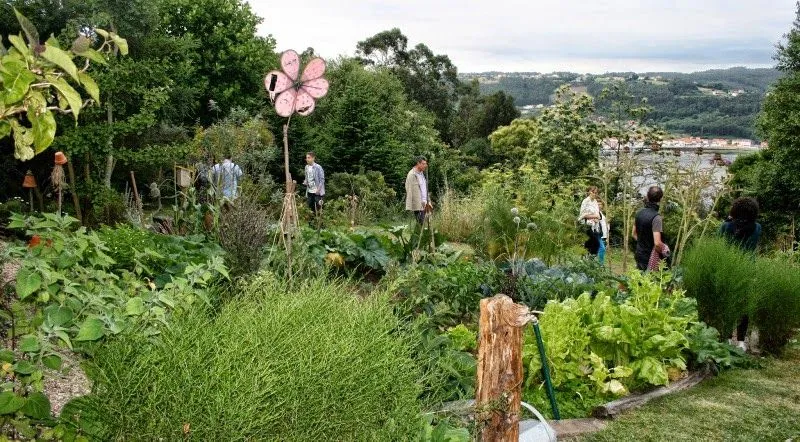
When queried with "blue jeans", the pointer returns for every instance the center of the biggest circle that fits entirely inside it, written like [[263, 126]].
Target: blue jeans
[[601, 251]]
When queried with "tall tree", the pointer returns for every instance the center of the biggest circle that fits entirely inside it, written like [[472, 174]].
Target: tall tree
[[773, 176], [429, 79], [232, 58]]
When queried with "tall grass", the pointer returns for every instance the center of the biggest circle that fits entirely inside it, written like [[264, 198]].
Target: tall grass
[[721, 278], [460, 219], [315, 363], [728, 283]]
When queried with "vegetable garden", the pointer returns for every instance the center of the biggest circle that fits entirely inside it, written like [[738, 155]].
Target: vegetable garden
[[191, 321]]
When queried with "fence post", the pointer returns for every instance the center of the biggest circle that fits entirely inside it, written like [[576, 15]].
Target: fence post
[[499, 383]]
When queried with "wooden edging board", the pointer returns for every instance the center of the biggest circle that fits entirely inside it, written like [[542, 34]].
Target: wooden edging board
[[613, 408]]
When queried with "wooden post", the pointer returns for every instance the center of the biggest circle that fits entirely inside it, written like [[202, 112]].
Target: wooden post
[[75, 200], [137, 200], [499, 384]]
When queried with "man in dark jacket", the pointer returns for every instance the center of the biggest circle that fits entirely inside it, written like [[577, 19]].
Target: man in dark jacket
[[648, 228]]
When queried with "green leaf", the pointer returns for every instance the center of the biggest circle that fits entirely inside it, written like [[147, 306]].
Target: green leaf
[[6, 356], [24, 367], [134, 306], [29, 344], [95, 56], [19, 44], [101, 32], [28, 282], [17, 79], [90, 86], [121, 43], [5, 129], [37, 406], [90, 330], [81, 44], [64, 337], [43, 128], [52, 362], [28, 28], [61, 59], [70, 94], [58, 316], [10, 403]]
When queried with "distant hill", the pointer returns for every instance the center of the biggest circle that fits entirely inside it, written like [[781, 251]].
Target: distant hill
[[718, 102]]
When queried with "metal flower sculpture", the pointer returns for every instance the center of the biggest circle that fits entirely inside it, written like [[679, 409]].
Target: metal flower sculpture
[[292, 92]]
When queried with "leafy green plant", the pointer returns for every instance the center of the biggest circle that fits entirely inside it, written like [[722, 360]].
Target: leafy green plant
[[775, 303], [599, 348], [34, 75], [313, 363]]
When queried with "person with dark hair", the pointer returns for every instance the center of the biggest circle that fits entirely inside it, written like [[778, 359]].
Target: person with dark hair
[[648, 228], [417, 200], [314, 182], [742, 230], [590, 216], [741, 227]]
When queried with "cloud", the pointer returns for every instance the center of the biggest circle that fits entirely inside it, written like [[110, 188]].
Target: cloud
[[545, 35]]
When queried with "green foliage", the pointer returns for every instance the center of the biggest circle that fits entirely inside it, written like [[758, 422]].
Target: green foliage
[[567, 138], [449, 370], [599, 348], [511, 144], [249, 371], [154, 256], [535, 284], [442, 430], [729, 283], [720, 278], [372, 202], [32, 76], [447, 291]]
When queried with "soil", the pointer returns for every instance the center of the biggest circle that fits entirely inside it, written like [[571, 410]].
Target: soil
[[66, 384]]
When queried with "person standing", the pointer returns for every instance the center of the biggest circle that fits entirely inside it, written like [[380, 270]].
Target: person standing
[[225, 176], [590, 216], [417, 200], [601, 253], [742, 229], [648, 231], [314, 182]]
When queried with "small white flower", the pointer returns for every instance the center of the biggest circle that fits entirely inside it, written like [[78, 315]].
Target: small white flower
[[532, 226], [515, 212], [517, 220]]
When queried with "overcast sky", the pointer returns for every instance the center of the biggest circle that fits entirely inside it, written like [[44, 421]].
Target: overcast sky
[[546, 35]]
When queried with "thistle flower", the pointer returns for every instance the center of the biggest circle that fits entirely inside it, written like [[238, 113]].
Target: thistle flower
[[517, 220], [515, 212]]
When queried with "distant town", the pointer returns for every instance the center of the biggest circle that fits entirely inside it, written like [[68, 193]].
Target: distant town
[[694, 143]]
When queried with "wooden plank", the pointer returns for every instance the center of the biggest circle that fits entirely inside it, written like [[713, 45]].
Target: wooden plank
[[618, 406]]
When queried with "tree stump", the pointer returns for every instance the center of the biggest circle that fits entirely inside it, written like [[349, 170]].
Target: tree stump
[[499, 383]]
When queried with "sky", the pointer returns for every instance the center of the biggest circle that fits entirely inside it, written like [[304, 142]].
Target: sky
[[585, 36]]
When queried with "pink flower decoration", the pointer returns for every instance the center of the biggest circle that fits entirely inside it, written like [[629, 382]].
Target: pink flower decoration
[[292, 94]]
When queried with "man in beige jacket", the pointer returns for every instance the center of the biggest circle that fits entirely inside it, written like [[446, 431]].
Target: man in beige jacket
[[417, 200]]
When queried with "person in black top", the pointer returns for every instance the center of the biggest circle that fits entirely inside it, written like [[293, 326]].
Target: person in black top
[[742, 230], [741, 227], [648, 227]]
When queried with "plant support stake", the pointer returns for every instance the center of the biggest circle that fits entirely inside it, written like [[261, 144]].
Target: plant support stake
[[551, 394]]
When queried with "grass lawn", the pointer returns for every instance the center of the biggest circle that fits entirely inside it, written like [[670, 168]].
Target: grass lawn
[[739, 405]]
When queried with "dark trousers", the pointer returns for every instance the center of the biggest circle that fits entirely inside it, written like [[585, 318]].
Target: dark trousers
[[741, 329], [419, 215], [314, 201]]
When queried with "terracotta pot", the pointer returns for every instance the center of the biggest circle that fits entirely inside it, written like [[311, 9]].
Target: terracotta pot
[[61, 159], [30, 181]]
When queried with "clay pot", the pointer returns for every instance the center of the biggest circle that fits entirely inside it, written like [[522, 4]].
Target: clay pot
[[30, 181], [61, 159]]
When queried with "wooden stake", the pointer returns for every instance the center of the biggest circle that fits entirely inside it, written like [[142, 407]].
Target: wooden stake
[[136, 198], [75, 200], [499, 378]]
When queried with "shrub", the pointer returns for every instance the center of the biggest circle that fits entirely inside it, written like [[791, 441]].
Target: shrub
[[243, 232], [375, 199], [460, 219], [315, 363], [720, 278], [775, 304]]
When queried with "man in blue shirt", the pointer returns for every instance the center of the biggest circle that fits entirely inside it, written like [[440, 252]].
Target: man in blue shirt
[[225, 177]]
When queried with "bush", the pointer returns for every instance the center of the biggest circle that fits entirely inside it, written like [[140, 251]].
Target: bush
[[728, 283], [460, 219], [775, 307], [156, 256], [243, 232], [313, 363], [720, 278], [375, 199]]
